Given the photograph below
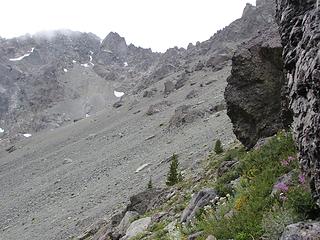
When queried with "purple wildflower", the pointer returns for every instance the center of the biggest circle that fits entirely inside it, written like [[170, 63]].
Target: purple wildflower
[[284, 163], [302, 179], [281, 187], [287, 161], [291, 159]]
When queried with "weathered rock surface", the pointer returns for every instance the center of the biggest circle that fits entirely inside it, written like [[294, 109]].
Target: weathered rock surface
[[184, 115], [254, 91], [300, 33], [145, 200], [168, 87], [137, 227], [158, 107], [302, 231], [125, 222], [198, 201]]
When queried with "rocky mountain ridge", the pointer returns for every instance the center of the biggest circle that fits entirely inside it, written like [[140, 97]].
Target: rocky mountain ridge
[[37, 81]]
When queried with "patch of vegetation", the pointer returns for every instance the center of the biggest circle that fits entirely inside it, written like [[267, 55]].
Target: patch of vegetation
[[245, 214], [174, 175], [150, 184], [275, 221], [218, 147]]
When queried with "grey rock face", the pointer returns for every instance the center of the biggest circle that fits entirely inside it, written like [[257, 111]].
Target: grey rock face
[[299, 23], [254, 91], [30, 71], [168, 87], [116, 44], [302, 231], [197, 202]]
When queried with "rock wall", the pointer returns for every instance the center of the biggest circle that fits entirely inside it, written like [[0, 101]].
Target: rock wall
[[299, 23], [254, 91]]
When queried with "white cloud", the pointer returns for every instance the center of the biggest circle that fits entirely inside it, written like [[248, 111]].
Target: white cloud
[[146, 23]]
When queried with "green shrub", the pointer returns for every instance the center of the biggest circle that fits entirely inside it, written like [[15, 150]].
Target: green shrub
[[218, 147], [150, 185], [300, 200], [275, 221], [243, 236], [174, 175], [223, 185]]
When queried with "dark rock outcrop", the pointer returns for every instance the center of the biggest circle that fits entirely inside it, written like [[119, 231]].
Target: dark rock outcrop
[[299, 23], [254, 91]]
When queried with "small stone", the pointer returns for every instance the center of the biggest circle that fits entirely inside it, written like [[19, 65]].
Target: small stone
[[150, 137], [210, 237], [67, 161]]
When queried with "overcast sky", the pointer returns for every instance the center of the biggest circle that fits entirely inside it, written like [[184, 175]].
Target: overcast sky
[[158, 24]]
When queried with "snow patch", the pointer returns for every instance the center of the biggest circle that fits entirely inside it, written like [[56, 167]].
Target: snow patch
[[139, 169], [87, 115], [107, 51], [74, 61], [85, 65], [65, 70], [91, 60], [19, 58], [27, 135], [22, 57], [125, 64], [1, 130], [118, 94]]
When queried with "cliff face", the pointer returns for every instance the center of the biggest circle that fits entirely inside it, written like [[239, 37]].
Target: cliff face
[[299, 23]]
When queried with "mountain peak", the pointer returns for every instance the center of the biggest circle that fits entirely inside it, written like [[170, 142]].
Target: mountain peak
[[115, 43]]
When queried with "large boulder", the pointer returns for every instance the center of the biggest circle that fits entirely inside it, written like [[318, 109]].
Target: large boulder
[[302, 231], [145, 200], [299, 23], [129, 217], [137, 227], [254, 94], [185, 114]]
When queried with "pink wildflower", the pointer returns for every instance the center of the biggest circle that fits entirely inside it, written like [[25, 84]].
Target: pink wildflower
[[281, 187], [287, 161], [291, 159]]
